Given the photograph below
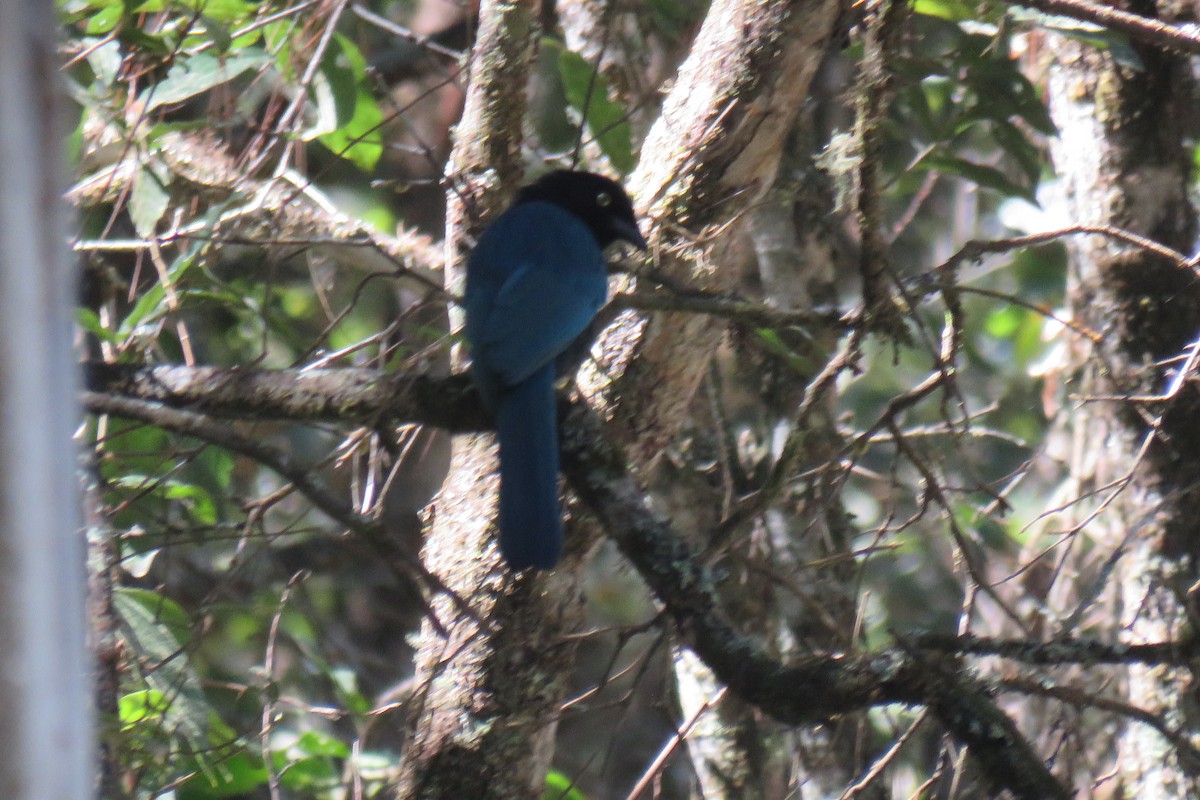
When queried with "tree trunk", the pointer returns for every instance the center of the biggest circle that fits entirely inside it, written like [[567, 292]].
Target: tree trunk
[[1136, 464], [45, 740], [493, 657]]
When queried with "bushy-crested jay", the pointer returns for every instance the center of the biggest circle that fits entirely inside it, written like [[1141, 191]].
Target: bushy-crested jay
[[535, 280]]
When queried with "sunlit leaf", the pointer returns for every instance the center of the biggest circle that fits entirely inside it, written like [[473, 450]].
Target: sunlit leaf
[[587, 93], [1003, 322], [106, 18], [104, 58], [152, 304], [347, 99], [950, 10], [142, 705], [561, 787], [199, 73], [315, 743], [156, 629], [226, 11], [148, 201], [1091, 34], [199, 501], [308, 773]]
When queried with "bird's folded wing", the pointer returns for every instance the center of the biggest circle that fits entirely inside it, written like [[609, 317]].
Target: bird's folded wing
[[534, 319]]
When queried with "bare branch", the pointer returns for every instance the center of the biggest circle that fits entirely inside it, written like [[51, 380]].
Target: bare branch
[[1184, 38]]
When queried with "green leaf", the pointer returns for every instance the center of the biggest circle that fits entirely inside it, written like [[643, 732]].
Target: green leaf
[[151, 305], [604, 118], [152, 44], [148, 201], [277, 40], [197, 499], [359, 141], [1116, 42], [160, 610], [932, 105], [226, 11], [345, 682], [157, 629], [1018, 147], [148, 306], [200, 503], [343, 98], [104, 57], [987, 177], [1004, 322], [246, 39], [199, 73], [949, 10], [306, 774], [561, 787], [218, 33], [344, 69], [89, 320], [219, 464], [315, 743], [106, 18], [773, 343], [233, 777], [142, 706]]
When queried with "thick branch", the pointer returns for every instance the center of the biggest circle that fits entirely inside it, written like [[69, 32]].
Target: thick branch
[[360, 396], [710, 156], [200, 426], [1181, 38], [811, 688]]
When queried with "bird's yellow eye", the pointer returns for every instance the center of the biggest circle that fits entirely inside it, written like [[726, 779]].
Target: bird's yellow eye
[[604, 199]]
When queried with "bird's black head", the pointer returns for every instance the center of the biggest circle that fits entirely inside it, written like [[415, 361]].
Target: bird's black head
[[600, 203]]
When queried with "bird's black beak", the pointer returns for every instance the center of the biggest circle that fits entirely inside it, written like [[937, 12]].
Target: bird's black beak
[[627, 230]]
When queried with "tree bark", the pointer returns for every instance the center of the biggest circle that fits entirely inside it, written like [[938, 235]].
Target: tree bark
[[1136, 465], [489, 679]]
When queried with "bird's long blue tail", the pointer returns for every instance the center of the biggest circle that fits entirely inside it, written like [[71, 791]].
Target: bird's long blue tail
[[527, 428]]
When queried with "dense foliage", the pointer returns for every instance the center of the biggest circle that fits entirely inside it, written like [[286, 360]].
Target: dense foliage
[[234, 160]]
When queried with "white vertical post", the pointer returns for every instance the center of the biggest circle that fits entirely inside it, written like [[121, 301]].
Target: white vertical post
[[45, 717]]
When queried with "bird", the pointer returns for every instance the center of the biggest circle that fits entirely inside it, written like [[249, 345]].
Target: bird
[[535, 280]]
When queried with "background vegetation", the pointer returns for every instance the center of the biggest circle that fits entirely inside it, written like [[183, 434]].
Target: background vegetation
[[877, 456]]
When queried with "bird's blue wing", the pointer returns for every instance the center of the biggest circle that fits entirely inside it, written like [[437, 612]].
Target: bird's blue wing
[[534, 282]]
